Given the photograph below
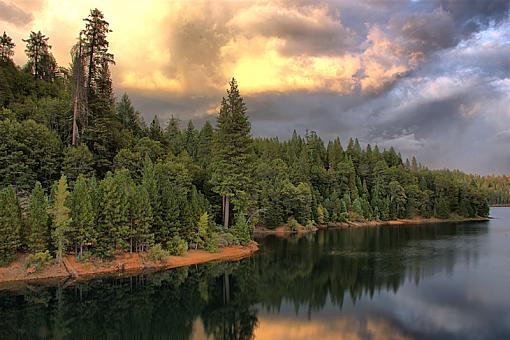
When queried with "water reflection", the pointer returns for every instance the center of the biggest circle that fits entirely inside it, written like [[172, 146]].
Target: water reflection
[[394, 282]]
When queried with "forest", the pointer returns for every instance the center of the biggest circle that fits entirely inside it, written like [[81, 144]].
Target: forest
[[82, 173]]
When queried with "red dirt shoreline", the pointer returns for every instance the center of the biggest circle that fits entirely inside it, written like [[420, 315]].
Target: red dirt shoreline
[[412, 221], [129, 263]]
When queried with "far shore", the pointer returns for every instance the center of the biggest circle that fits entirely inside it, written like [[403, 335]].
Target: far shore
[[284, 230], [127, 264]]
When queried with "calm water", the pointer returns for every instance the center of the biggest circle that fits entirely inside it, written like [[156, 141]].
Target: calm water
[[408, 282]]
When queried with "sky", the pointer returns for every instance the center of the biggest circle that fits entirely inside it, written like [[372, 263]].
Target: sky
[[429, 77]]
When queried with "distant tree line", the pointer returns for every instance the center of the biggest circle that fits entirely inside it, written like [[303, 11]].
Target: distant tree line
[[82, 171]]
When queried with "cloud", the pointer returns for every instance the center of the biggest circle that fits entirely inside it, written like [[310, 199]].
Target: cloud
[[429, 77], [474, 15], [303, 30], [12, 14]]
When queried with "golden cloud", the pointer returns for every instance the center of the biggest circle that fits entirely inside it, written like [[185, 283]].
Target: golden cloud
[[185, 48]]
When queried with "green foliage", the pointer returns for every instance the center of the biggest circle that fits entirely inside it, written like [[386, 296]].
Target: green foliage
[[170, 186], [38, 260], [6, 48], [29, 152], [78, 160], [157, 253], [442, 209], [41, 63], [232, 150], [293, 224], [242, 230], [83, 216], [177, 246], [10, 225], [114, 214], [61, 218], [322, 215], [357, 210], [37, 220], [141, 219]]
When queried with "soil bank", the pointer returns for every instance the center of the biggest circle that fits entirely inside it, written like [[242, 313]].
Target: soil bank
[[129, 263]]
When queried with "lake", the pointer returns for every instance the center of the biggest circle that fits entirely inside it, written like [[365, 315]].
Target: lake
[[444, 281]]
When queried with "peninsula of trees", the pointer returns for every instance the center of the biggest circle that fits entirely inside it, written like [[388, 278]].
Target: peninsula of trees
[[81, 172]]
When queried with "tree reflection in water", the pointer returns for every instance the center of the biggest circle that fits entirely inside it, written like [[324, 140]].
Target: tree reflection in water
[[307, 272]]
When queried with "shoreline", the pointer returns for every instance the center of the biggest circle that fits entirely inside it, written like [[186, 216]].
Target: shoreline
[[125, 264], [281, 230]]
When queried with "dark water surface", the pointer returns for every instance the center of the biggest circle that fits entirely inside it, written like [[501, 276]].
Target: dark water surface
[[448, 281]]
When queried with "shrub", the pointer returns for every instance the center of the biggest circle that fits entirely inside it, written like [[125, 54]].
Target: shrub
[[230, 239], [38, 260], [310, 225], [177, 246], [211, 244], [293, 224], [157, 253], [242, 230]]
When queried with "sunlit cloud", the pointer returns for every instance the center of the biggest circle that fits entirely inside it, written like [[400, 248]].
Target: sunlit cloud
[[430, 77]]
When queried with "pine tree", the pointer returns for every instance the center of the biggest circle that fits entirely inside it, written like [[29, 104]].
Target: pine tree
[[150, 185], [10, 225], [41, 63], [191, 140], [141, 219], [114, 214], [205, 141], [174, 136], [129, 117], [37, 220], [232, 152], [155, 131], [242, 229], [61, 218], [442, 208], [83, 226], [357, 208], [6, 48], [78, 160], [96, 47]]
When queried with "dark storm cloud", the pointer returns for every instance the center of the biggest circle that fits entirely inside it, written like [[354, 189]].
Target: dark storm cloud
[[426, 32], [449, 106], [473, 14], [13, 14]]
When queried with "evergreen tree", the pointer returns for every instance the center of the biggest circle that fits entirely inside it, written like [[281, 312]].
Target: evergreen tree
[[357, 208], [242, 229], [129, 117], [83, 220], [155, 131], [150, 185], [174, 136], [114, 226], [41, 63], [191, 140], [232, 153], [141, 220], [10, 225], [37, 220], [6, 48], [61, 218], [96, 48], [78, 160], [205, 142]]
